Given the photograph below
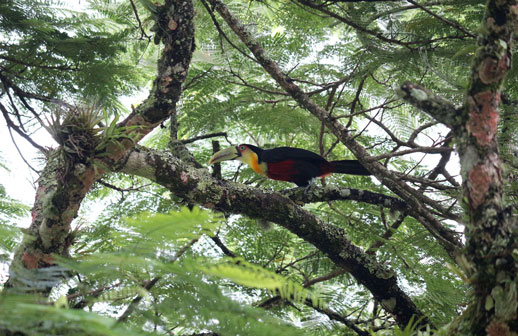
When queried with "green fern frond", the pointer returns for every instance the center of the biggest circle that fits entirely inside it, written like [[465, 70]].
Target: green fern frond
[[183, 224], [122, 293], [21, 313], [250, 275]]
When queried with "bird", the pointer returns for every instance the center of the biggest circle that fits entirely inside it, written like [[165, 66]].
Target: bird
[[290, 164]]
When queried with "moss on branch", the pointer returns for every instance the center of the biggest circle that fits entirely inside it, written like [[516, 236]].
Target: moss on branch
[[197, 186]]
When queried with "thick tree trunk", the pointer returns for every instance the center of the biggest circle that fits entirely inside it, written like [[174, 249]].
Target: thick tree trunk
[[490, 257], [491, 243]]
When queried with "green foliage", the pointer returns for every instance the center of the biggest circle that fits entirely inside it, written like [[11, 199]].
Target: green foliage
[[250, 275], [182, 294], [11, 212], [57, 53], [190, 224], [19, 314], [411, 329]]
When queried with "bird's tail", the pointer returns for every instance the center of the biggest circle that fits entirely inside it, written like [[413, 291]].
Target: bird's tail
[[353, 167]]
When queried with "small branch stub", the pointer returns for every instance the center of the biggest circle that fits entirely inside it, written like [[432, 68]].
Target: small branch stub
[[438, 107], [172, 25], [492, 70]]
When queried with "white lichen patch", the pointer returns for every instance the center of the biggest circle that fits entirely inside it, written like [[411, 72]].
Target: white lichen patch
[[469, 160], [502, 47], [389, 304], [138, 164], [345, 192], [79, 169], [178, 69]]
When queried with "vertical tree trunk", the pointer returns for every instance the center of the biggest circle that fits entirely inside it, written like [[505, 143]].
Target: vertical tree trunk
[[490, 259]]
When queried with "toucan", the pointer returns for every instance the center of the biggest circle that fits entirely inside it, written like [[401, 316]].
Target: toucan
[[290, 164]]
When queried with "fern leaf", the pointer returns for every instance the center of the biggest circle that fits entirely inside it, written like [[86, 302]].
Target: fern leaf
[[250, 275]]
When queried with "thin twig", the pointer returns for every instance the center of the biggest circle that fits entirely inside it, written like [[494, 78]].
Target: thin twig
[[325, 277], [448, 22], [201, 137], [151, 283], [19, 152], [11, 124], [222, 33], [223, 247], [121, 190], [142, 32]]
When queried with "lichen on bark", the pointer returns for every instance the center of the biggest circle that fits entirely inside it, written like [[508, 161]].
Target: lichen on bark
[[197, 186], [489, 239]]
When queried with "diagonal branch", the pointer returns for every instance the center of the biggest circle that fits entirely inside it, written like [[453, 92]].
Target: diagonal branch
[[198, 186], [17, 129], [142, 31], [448, 22], [334, 193], [446, 237]]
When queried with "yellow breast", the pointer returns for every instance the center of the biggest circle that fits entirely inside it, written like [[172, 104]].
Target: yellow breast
[[251, 159]]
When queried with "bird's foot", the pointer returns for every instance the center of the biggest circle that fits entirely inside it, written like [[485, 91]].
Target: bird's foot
[[310, 188]]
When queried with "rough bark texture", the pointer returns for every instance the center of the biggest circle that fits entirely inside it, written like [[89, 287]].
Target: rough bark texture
[[490, 258], [491, 244], [198, 186], [439, 108], [334, 193], [63, 185]]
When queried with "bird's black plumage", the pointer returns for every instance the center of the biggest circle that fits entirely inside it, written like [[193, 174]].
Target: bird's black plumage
[[301, 166]]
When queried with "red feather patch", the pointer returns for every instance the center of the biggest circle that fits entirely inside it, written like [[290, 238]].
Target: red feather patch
[[283, 171]]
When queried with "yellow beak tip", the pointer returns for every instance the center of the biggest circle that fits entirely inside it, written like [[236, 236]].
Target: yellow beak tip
[[224, 155]]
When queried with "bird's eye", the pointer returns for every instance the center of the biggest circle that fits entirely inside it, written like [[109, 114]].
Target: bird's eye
[[242, 148]]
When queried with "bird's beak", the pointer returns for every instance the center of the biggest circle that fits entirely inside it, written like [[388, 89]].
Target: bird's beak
[[229, 153]]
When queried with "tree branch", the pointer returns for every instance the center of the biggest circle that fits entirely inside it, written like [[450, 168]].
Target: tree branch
[[410, 44], [197, 186], [334, 193], [205, 136], [337, 317], [142, 32], [448, 22], [446, 237], [21, 133], [439, 108]]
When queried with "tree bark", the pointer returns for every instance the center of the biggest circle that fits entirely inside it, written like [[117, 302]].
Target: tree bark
[[490, 257], [197, 186], [491, 244]]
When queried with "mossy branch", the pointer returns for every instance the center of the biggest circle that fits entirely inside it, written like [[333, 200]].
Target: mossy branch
[[197, 186], [436, 106]]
